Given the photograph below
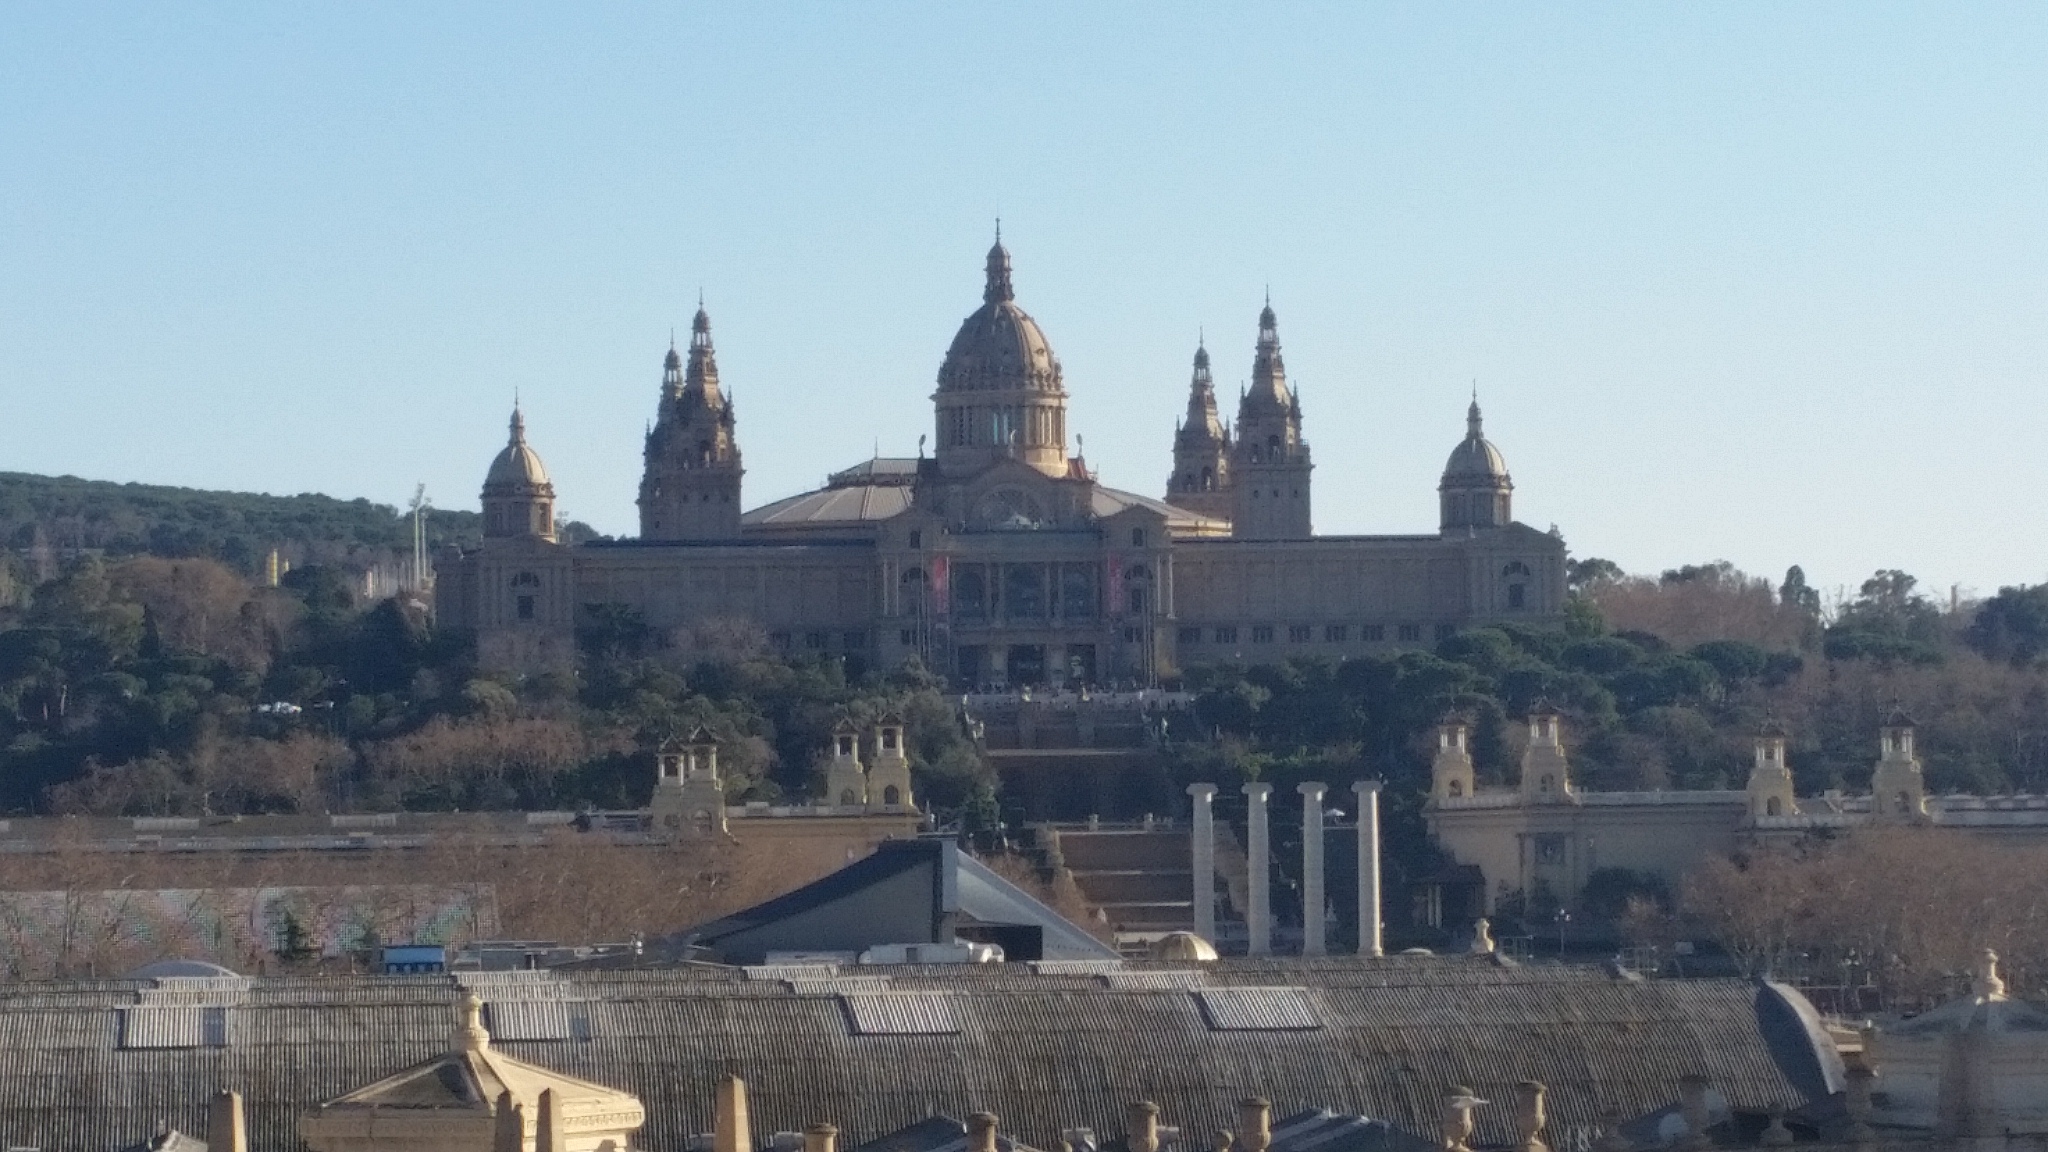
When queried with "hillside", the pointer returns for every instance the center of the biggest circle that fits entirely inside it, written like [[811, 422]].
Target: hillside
[[47, 518]]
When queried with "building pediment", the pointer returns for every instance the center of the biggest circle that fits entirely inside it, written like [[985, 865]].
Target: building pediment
[[1011, 496]]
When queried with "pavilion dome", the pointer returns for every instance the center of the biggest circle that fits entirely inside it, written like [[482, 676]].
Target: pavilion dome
[[1475, 460], [518, 465]]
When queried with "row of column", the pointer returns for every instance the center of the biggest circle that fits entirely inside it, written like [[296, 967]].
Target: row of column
[[1259, 914]]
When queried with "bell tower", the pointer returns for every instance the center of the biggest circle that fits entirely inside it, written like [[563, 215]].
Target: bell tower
[[1201, 450], [691, 487], [1269, 461]]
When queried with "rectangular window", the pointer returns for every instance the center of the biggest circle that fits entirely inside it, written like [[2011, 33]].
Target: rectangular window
[[779, 641], [854, 641], [1517, 596], [1262, 633], [908, 637], [1137, 537], [1336, 633], [814, 640], [526, 607], [1133, 635], [1446, 631], [1191, 636], [1299, 633], [1226, 635], [1373, 633], [1411, 633]]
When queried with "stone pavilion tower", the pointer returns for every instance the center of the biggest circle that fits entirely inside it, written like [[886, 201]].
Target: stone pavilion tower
[[691, 487], [1269, 461]]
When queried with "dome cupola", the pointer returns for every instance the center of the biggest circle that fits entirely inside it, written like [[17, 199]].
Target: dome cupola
[[518, 498], [1476, 491], [1000, 393]]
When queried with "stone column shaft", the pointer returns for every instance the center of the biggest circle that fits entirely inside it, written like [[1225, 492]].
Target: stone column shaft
[[1312, 909], [1370, 941], [1204, 863], [1259, 916]]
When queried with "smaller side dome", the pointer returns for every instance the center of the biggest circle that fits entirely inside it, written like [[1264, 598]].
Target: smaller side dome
[[1475, 458], [1475, 491], [1184, 946], [518, 465]]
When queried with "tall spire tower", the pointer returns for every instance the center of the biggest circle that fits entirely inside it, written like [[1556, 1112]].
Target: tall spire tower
[[1201, 450], [1269, 460], [691, 487]]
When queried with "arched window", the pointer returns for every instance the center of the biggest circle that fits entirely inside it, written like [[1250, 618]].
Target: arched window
[[847, 799], [1773, 807], [1208, 480], [1543, 784], [1904, 804], [1273, 445], [892, 795], [1456, 789], [701, 821]]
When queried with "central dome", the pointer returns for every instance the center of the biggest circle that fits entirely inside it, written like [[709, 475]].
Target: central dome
[[1000, 347], [999, 394]]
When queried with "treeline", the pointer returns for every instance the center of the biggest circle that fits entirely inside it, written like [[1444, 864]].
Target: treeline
[[177, 686], [45, 520]]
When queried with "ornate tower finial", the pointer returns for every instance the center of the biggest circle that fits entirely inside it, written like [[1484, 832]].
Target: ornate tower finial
[[518, 422], [999, 288]]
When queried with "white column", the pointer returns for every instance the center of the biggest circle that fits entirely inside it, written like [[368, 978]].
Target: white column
[[1204, 849], [1259, 916], [1370, 942], [1311, 867]]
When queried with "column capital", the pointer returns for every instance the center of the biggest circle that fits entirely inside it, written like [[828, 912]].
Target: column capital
[[1202, 791], [1361, 787], [1314, 788], [1258, 790]]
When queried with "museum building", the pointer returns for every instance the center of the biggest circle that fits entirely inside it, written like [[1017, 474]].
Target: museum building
[[1000, 558]]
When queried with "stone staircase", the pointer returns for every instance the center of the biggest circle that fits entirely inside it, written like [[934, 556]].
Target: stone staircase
[[1139, 876]]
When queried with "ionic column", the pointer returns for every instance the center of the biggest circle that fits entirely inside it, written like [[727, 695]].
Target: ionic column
[[1370, 941], [1311, 867], [1259, 916], [1204, 846]]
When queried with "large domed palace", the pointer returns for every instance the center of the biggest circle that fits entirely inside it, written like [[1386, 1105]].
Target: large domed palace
[[1000, 559]]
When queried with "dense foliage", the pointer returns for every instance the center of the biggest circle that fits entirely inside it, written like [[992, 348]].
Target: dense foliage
[[150, 685]]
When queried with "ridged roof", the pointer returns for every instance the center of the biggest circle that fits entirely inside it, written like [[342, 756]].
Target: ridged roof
[[853, 503], [1043, 1051]]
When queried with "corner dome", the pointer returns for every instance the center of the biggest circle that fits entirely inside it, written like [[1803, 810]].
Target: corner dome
[[999, 347], [517, 466], [1475, 459]]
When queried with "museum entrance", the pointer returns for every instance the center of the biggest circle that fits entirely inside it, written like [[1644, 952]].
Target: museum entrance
[[1080, 664], [1026, 664]]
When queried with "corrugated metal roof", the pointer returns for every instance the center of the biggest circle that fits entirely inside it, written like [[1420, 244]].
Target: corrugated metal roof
[[899, 1014], [1076, 967], [1044, 1052], [143, 1027], [836, 985], [537, 1020], [1153, 980], [1257, 1009]]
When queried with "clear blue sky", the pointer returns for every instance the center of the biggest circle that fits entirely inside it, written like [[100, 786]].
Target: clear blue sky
[[1767, 283]]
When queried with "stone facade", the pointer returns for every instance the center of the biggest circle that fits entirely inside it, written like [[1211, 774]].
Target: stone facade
[[1001, 559], [1542, 835]]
